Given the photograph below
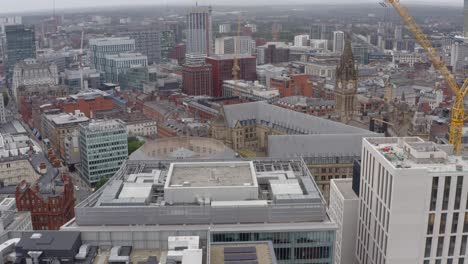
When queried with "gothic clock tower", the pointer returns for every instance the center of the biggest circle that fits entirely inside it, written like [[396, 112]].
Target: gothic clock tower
[[346, 85]]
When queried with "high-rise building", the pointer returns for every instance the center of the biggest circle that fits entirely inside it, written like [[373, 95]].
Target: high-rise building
[[301, 40], [2, 110], [9, 20], [399, 32], [413, 203], [225, 28], [343, 210], [103, 149], [20, 45], [465, 26], [197, 79], [119, 64], [167, 44], [147, 42], [315, 31], [346, 84], [101, 47], [338, 41], [199, 31], [222, 65], [273, 52], [361, 54], [231, 45]]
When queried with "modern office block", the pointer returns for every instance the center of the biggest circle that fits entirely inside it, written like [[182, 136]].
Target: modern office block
[[20, 45], [103, 149], [101, 47], [343, 210], [413, 203]]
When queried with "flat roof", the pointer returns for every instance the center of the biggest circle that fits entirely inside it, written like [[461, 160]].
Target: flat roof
[[415, 153], [211, 174], [345, 188], [263, 250]]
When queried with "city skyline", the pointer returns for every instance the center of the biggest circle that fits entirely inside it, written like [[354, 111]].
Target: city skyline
[[23, 6]]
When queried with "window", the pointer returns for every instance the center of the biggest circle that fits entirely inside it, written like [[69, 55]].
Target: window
[[454, 222], [443, 221], [465, 223], [435, 186], [430, 224], [440, 246], [446, 193], [452, 245], [463, 245], [427, 251], [458, 192]]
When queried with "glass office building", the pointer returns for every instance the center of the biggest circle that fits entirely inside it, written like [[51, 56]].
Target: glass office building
[[20, 45]]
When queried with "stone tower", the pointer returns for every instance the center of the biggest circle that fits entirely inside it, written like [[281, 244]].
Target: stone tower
[[346, 85]]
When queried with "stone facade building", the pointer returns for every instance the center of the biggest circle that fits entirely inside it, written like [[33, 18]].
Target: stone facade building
[[327, 147]]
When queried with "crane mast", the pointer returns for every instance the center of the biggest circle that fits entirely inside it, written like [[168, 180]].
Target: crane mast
[[458, 107]]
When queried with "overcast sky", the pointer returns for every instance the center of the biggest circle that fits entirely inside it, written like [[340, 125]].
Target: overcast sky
[[8, 6]]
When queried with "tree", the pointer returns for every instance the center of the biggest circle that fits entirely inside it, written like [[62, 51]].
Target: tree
[[134, 144], [100, 183], [6, 98]]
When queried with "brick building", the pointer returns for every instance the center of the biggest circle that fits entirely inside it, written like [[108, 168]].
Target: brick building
[[197, 79], [87, 102], [179, 52], [222, 66], [27, 94], [49, 209], [293, 85]]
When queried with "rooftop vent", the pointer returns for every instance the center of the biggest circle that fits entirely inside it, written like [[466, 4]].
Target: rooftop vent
[[36, 236]]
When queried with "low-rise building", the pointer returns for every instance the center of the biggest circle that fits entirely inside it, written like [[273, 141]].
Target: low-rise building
[[250, 91], [16, 169], [50, 208], [87, 102], [28, 94], [57, 127], [32, 73], [311, 106], [293, 85], [220, 201], [266, 72]]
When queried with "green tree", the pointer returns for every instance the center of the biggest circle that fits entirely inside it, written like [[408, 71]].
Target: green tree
[[100, 183], [6, 98], [134, 144]]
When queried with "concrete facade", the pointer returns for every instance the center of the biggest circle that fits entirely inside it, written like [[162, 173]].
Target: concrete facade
[[343, 209]]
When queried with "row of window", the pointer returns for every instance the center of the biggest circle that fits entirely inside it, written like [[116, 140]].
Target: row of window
[[440, 246]]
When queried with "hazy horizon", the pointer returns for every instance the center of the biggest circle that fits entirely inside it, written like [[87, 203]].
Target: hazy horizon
[[21, 6]]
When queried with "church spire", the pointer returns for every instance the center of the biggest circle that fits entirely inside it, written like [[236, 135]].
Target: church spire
[[346, 69]]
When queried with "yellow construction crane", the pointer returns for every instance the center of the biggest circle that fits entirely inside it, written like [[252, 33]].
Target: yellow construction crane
[[235, 67], [458, 107]]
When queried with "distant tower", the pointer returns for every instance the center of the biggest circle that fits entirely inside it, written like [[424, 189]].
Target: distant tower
[[338, 41], [346, 84], [465, 28], [199, 31]]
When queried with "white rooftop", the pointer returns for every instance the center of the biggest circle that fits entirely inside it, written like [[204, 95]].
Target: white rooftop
[[414, 153], [211, 174]]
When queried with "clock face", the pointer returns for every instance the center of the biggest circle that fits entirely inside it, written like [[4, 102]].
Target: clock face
[[350, 86], [340, 85]]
